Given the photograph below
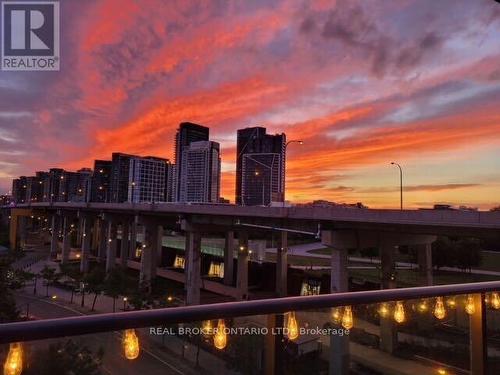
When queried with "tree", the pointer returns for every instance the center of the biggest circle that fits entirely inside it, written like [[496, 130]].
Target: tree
[[72, 271], [95, 282], [50, 276], [66, 358], [139, 297], [116, 284], [463, 253], [8, 310], [467, 253], [441, 249]]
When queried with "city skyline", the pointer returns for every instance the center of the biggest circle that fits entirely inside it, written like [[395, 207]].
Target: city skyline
[[362, 84]]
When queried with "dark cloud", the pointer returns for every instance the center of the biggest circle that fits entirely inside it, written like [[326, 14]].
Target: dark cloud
[[355, 29], [413, 54], [307, 25], [340, 189], [413, 188]]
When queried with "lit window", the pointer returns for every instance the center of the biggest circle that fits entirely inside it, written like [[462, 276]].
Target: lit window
[[179, 262]]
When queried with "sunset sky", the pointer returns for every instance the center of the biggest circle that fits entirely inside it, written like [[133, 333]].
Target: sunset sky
[[362, 83]]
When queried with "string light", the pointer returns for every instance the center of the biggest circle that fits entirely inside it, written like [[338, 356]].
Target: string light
[[439, 311], [423, 306], [131, 344], [220, 337], [399, 312], [292, 326], [383, 310], [336, 315], [347, 319], [495, 301], [14, 362], [206, 327], [451, 302], [470, 307]]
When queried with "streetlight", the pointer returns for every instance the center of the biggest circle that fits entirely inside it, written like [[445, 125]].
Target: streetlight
[[286, 146], [400, 182]]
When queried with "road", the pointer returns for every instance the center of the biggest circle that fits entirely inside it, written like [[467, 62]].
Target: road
[[151, 361]]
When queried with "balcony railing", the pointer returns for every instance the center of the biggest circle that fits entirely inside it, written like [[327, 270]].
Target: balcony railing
[[448, 329]]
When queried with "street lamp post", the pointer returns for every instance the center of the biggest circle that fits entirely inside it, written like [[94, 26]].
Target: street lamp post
[[284, 165], [400, 183]]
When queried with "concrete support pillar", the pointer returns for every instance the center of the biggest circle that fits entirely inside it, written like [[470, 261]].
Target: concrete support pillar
[[242, 274], [388, 329], [111, 245], [22, 222], [149, 257], [229, 258], [274, 350], [424, 255], [13, 230], [133, 240], [282, 264], [79, 232], [94, 243], [17, 227], [478, 344], [103, 240], [86, 239], [54, 240], [66, 243], [124, 245], [340, 242], [193, 269]]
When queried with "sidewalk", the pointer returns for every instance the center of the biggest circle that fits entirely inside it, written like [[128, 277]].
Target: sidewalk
[[104, 304], [210, 364]]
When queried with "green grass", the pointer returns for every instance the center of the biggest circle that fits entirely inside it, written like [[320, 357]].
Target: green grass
[[325, 251], [490, 261], [298, 260], [410, 277]]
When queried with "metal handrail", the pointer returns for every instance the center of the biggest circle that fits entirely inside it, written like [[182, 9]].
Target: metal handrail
[[52, 328]]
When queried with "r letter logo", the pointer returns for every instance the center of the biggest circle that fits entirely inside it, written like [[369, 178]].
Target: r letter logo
[[30, 35]]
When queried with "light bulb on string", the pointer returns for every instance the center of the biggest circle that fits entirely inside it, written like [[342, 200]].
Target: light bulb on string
[[451, 302], [423, 306], [14, 361], [336, 315], [399, 312], [347, 318], [206, 327], [383, 310], [220, 337], [495, 301], [470, 306], [131, 344], [439, 311], [292, 326]]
